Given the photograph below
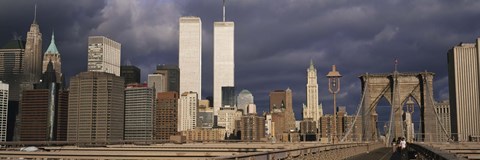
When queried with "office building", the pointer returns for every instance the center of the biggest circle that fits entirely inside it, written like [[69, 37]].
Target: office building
[[223, 60], [130, 73], [11, 67], [244, 98], [172, 77], [103, 55], [282, 111], [443, 128], [205, 114], [32, 62], [312, 110], [157, 81], [139, 112], [252, 128], [228, 96], [3, 111], [44, 110], [308, 130], [190, 55], [166, 115], [204, 134], [463, 75], [251, 109], [53, 55], [344, 123], [187, 111], [96, 108], [227, 117]]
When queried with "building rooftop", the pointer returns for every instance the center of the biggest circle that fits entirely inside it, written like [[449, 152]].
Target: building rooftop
[[14, 44]]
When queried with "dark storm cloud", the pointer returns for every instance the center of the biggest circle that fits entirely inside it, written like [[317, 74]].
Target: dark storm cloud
[[274, 40]]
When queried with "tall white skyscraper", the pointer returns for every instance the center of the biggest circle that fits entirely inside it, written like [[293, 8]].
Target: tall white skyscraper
[[103, 55], [190, 55], [3, 111], [463, 77], [187, 111], [312, 110], [223, 60], [32, 61]]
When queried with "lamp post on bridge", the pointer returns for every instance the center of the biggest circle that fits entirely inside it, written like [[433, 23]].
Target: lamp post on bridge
[[334, 87]]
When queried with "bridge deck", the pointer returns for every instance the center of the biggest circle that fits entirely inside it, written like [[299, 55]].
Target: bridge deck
[[384, 153]]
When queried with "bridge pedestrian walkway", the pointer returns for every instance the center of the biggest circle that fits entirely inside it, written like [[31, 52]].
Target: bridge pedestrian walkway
[[384, 153]]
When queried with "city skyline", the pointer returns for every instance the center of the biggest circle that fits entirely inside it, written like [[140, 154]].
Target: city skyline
[[273, 46]]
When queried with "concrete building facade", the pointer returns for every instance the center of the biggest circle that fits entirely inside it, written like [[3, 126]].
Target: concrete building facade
[[139, 112], [205, 114], [96, 108], [444, 127], [190, 55], [103, 55], [313, 109], [166, 115], [464, 77], [252, 128], [187, 111], [3, 111], [282, 110], [157, 81], [204, 134], [227, 117], [223, 60]]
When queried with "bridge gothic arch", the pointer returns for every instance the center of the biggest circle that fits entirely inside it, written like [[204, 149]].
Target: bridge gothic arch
[[397, 87]]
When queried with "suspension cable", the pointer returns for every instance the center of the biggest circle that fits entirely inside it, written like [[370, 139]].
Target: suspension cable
[[356, 116], [434, 110]]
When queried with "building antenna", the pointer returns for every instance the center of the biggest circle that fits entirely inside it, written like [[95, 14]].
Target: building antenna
[[396, 64], [223, 10], [35, 14]]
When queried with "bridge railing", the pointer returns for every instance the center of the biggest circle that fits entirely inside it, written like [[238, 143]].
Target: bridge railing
[[426, 152], [329, 151]]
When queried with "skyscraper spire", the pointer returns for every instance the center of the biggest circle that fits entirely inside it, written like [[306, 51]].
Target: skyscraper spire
[[224, 10], [311, 64], [35, 14]]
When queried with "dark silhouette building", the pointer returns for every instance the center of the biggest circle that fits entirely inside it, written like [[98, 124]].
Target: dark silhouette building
[[228, 96], [130, 73], [11, 72], [172, 74], [44, 110]]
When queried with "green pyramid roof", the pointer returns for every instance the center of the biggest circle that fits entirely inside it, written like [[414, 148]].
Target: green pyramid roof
[[52, 48]]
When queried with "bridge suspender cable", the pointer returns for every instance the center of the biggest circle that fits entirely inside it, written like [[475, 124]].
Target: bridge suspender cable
[[434, 110], [359, 108]]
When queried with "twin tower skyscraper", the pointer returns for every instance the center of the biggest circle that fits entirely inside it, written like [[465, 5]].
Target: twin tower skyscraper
[[190, 57]]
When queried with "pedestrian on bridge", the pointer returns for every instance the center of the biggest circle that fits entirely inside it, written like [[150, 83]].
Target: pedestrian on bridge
[[394, 145], [403, 148]]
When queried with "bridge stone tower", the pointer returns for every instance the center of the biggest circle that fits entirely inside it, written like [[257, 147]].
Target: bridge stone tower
[[397, 88]]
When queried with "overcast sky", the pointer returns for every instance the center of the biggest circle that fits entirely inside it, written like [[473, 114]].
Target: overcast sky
[[274, 39]]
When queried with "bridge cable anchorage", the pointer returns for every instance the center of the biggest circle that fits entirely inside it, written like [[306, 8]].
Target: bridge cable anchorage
[[356, 116], [434, 110]]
